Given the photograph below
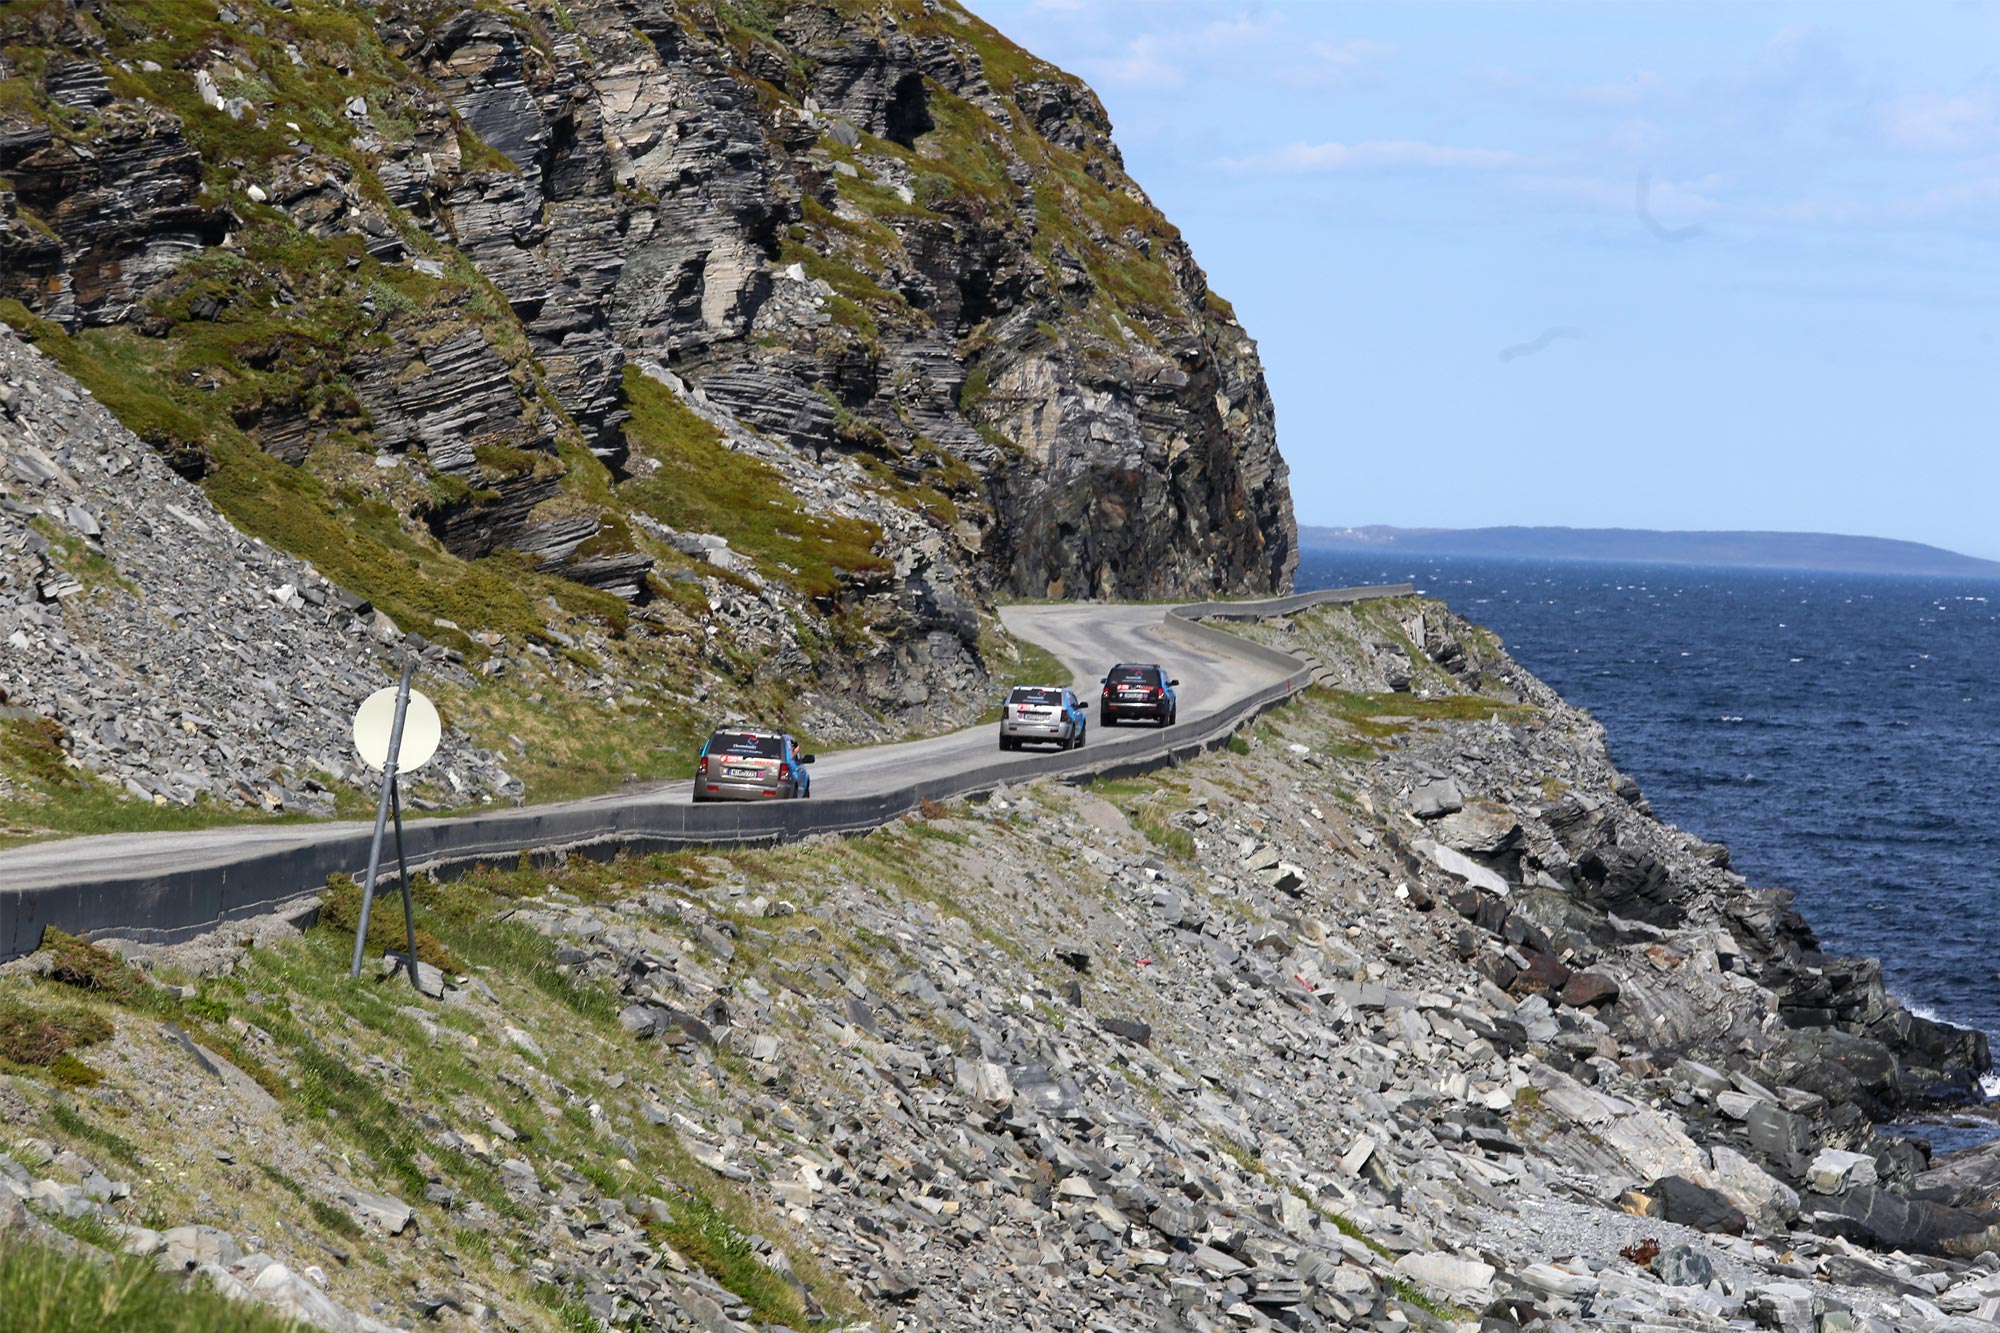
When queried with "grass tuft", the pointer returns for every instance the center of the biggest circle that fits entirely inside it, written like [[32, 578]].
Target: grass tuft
[[75, 961], [705, 1237], [37, 1038], [44, 1290], [340, 910]]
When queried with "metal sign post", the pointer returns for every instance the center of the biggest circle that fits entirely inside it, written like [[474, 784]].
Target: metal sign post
[[395, 729], [390, 798]]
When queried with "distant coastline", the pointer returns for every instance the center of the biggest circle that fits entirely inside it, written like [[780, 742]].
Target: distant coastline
[[1748, 550]]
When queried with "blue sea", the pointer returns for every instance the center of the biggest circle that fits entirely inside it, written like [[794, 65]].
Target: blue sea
[[1840, 732]]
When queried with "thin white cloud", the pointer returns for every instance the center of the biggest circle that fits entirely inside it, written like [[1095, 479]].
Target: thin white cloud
[[1303, 158], [1335, 61], [1624, 94], [1933, 123], [1144, 64], [1666, 200], [1158, 61]]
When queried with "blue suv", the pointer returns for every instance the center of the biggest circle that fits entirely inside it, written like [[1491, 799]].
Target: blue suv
[[1042, 713], [1139, 690]]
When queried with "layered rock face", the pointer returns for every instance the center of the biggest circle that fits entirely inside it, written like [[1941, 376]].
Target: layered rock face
[[879, 236]]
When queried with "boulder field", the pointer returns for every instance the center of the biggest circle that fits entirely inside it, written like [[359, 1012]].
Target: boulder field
[[1402, 1011]]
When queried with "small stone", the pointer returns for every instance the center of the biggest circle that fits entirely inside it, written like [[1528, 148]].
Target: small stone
[[392, 1215], [1684, 1266]]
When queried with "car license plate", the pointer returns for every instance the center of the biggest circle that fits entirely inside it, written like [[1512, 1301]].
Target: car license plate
[[1133, 693], [740, 772]]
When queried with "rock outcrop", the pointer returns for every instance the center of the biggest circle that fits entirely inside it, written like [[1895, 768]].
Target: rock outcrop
[[879, 236], [160, 651]]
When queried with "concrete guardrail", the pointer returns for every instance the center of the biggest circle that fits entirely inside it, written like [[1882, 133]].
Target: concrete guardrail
[[168, 904]]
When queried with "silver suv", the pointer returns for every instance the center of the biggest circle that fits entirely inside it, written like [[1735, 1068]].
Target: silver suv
[[751, 764], [1039, 713]]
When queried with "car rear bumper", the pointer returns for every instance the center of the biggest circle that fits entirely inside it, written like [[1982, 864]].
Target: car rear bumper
[[740, 789], [1155, 711], [1034, 731]]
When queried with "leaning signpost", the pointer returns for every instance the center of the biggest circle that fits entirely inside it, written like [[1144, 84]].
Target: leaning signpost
[[396, 729]]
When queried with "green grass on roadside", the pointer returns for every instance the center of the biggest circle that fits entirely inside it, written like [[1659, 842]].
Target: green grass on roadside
[[45, 1291], [58, 801], [703, 1234], [1378, 717], [1013, 660]]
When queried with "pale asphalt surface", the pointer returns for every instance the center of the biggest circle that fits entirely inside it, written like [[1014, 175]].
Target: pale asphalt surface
[[1087, 638]]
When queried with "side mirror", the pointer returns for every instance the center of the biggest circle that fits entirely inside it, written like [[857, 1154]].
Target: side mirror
[[1083, 705], [807, 758], [1173, 682]]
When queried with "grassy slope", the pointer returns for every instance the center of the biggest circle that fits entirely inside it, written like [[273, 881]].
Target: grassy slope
[[44, 1291], [292, 314], [317, 1044], [343, 1062]]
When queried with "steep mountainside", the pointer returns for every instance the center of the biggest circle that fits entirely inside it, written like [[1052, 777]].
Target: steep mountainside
[[812, 326]]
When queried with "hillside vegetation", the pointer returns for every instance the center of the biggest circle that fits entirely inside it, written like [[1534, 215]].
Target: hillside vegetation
[[730, 350], [1256, 1040]]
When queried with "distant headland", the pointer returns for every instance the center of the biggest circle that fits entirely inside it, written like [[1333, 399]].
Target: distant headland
[[1757, 550]]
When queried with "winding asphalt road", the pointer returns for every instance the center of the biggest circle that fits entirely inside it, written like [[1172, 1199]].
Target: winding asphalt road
[[1086, 638], [162, 886]]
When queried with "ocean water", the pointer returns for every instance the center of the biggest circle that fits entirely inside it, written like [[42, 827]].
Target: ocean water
[[1841, 733]]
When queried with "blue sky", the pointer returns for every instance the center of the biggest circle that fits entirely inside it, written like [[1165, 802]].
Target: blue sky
[[1667, 265]]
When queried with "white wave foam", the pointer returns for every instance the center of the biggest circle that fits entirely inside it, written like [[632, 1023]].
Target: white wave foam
[[1989, 1085]]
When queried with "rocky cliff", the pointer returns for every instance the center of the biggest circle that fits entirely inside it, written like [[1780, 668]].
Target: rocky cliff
[[1401, 1013], [822, 323]]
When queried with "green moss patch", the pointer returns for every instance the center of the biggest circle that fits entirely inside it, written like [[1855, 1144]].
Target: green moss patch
[[37, 1036], [44, 1290], [702, 485]]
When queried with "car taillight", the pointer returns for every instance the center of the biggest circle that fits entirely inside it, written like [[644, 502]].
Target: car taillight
[[784, 771], [1157, 691], [704, 765]]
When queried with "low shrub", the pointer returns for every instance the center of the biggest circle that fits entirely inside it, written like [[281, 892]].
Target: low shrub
[[341, 910]]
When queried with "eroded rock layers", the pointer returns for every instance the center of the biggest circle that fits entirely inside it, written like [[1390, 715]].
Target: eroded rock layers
[[874, 233]]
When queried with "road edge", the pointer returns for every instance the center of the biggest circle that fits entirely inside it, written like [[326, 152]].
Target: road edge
[[161, 907]]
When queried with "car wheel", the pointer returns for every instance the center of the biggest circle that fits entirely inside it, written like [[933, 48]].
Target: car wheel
[[1004, 745], [1082, 735]]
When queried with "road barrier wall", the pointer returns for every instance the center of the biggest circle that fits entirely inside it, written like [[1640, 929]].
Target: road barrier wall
[[180, 902]]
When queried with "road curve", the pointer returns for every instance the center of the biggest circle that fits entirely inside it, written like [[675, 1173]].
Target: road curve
[[171, 885]]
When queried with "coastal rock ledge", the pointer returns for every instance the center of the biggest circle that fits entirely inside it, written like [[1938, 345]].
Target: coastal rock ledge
[[1403, 1012]]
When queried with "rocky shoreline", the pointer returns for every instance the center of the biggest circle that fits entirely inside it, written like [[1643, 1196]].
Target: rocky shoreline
[[1402, 1012]]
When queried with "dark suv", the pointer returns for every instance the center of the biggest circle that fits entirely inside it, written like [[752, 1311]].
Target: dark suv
[[1134, 689], [751, 764]]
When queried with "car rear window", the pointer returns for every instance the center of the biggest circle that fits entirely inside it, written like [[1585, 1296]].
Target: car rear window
[[746, 745], [1027, 694], [1133, 676]]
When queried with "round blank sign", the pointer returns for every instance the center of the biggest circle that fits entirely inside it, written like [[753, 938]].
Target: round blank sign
[[377, 716]]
